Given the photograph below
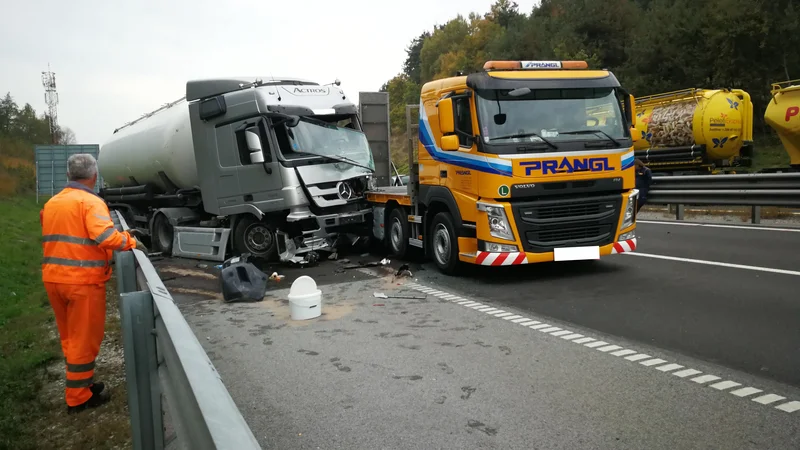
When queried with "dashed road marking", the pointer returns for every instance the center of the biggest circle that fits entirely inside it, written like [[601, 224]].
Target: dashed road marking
[[678, 370]]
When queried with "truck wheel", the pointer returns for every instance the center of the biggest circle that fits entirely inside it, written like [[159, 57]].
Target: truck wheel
[[255, 237], [444, 243], [397, 236], [162, 235]]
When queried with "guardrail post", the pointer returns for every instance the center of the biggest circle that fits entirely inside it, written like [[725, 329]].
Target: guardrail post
[[141, 368], [755, 217], [126, 272], [679, 212]]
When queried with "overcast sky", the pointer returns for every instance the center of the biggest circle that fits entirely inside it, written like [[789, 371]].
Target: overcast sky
[[115, 61]]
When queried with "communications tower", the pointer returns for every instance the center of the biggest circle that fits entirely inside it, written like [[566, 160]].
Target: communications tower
[[51, 98]]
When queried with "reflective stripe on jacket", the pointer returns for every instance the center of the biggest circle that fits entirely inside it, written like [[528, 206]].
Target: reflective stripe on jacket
[[79, 238]]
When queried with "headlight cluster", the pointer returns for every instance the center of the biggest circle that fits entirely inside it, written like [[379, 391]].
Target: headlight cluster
[[372, 184], [630, 210], [498, 222]]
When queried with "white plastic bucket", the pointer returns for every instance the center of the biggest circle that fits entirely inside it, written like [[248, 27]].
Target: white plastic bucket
[[305, 300]]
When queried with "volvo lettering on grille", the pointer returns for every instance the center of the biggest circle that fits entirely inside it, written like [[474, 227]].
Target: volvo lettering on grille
[[567, 165]]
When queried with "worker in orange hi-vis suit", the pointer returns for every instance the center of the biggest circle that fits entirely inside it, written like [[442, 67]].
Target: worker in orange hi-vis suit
[[78, 239]]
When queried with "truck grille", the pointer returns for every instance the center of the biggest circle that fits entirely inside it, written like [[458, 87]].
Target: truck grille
[[547, 224]]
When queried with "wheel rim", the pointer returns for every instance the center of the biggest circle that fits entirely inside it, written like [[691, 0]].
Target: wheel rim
[[441, 244], [258, 238], [396, 234]]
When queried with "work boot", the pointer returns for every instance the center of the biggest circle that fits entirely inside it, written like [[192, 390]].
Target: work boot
[[97, 388], [94, 401]]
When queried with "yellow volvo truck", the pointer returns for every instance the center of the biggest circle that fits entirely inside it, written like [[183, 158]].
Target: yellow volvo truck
[[512, 168]]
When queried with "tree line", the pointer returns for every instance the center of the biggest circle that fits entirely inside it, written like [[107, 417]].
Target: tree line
[[652, 46], [20, 130]]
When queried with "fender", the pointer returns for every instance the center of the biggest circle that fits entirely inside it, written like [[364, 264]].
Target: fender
[[430, 194]]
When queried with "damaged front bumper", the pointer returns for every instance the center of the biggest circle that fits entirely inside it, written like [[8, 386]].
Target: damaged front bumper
[[331, 229]]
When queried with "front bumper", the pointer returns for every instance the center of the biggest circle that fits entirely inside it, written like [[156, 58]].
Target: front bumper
[[518, 258]]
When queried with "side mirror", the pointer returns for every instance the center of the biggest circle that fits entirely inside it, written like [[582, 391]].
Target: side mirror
[[499, 119], [254, 145], [446, 116], [632, 110], [450, 143], [635, 135]]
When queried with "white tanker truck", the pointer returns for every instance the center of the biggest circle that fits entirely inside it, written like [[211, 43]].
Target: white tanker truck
[[274, 168]]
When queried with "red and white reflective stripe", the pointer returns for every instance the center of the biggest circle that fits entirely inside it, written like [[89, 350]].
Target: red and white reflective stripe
[[624, 246], [501, 259]]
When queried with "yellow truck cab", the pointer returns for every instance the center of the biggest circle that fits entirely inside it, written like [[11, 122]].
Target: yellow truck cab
[[514, 167]]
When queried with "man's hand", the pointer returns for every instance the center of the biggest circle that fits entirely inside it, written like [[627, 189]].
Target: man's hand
[[136, 233], [140, 246]]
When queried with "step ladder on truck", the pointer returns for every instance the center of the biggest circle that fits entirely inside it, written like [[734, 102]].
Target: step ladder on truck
[[508, 167]]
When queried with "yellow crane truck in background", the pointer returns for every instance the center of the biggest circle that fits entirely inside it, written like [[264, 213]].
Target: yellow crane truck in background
[[695, 131], [512, 168], [783, 115]]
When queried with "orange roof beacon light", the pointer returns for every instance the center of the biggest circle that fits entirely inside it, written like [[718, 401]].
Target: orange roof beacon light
[[535, 65]]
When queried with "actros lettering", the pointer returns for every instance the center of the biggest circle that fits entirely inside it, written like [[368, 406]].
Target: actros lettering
[[567, 165], [298, 90]]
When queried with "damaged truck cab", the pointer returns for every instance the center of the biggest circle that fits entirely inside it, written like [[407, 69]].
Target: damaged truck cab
[[273, 168]]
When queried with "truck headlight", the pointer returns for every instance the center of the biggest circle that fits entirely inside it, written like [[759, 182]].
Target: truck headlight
[[630, 210], [498, 222]]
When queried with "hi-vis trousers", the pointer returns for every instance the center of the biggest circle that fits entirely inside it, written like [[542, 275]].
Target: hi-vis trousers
[[80, 311]]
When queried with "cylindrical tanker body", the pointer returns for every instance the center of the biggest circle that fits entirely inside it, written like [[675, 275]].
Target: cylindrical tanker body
[[694, 129], [159, 142], [783, 115]]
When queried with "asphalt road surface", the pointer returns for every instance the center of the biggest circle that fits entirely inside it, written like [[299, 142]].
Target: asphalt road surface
[[698, 350]]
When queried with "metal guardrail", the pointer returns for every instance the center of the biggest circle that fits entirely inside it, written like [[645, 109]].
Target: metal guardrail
[[164, 359], [754, 190]]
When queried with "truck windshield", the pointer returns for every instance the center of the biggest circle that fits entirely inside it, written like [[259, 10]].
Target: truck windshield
[[556, 118], [337, 138]]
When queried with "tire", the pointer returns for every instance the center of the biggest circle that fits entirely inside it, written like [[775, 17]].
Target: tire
[[162, 235], [444, 244], [255, 237], [397, 233]]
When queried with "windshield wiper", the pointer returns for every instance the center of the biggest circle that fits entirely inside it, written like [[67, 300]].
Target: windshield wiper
[[616, 142], [343, 159], [524, 135]]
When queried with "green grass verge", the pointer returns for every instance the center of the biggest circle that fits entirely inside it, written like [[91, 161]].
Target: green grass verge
[[25, 340]]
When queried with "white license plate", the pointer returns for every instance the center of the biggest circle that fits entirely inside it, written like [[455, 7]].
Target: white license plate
[[576, 253]]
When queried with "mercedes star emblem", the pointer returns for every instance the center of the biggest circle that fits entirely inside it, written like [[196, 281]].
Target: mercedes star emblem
[[344, 190]]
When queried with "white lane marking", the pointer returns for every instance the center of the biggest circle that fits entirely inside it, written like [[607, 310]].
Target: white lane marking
[[722, 385], [608, 348], [652, 362], [744, 392], [669, 367], [705, 379], [687, 373], [789, 407], [549, 330], [769, 398], [630, 355], [713, 225], [561, 333], [715, 263], [572, 336]]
